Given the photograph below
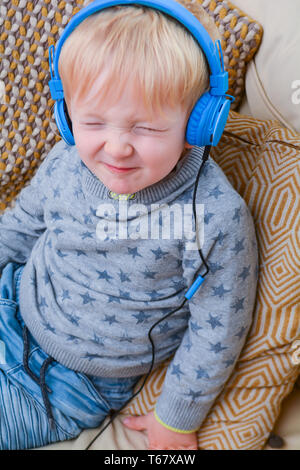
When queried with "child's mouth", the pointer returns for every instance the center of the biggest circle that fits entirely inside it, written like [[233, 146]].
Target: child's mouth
[[117, 169]]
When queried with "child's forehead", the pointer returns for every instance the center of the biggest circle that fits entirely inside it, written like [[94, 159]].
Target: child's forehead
[[106, 91], [126, 114], [127, 99]]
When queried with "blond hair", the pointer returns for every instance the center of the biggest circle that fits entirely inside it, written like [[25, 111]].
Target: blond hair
[[142, 45]]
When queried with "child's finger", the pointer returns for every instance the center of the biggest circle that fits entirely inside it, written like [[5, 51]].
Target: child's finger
[[139, 423]]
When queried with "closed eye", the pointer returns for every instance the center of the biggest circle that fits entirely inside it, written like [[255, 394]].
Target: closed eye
[[143, 128], [150, 129], [94, 123]]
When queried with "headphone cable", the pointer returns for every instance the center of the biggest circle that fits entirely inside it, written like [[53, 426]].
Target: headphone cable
[[117, 412]]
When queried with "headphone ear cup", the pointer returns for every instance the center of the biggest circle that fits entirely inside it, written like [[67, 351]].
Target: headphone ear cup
[[63, 122], [196, 122], [220, 119], [207, 120]]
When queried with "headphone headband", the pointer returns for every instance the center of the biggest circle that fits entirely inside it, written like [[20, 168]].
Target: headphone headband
[[212, 52]]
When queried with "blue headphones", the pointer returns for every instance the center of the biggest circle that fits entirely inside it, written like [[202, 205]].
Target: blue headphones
[[209, 115]]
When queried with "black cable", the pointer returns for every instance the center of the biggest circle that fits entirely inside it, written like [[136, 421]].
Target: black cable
[[117, 412], [204, 160]]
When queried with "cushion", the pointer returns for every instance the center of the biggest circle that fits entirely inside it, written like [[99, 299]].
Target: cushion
[[27, 29], [241, 37], [273, 77], [261, 160]]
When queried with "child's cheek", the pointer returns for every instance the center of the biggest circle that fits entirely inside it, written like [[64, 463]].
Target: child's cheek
[[90, 143]]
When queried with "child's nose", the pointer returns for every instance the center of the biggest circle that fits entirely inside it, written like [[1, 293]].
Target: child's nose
[[118, 145]]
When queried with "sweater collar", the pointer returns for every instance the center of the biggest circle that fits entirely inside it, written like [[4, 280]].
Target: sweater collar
[[182, 176]]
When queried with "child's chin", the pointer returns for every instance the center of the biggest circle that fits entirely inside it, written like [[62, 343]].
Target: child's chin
[[116, 186], [123, 189]]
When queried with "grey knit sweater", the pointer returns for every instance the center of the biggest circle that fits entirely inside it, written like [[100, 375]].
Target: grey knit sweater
[[101, 270]]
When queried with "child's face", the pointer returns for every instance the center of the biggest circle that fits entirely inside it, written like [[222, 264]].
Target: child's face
[[121, 146]]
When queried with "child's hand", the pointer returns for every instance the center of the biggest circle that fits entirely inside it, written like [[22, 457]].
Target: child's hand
[[160, 437]]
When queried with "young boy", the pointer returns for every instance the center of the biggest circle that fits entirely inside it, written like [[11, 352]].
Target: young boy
[[91, 257]]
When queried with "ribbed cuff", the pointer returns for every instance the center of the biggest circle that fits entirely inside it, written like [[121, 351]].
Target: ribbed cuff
[[178, 414], [171, 428]]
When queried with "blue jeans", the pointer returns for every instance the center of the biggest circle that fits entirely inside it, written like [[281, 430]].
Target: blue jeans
[[77, 401]]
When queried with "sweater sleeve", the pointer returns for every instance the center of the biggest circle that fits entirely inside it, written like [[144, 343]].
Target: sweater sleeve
[[220, 317], [23, 224]]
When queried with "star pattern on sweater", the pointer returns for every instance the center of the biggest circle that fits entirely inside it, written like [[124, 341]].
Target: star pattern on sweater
[[72, 318], [104, 275], [238, 304], [149, 274], [215, 267], [134, 252], [124, 276], [201, 373], [141, 317], [245, 272], [220, 291], [86, 298], [217, 347], [175, 370], [194, 395], [239, 246], [214, 321], [55, 216], [215, 192], [207, 217], [56, 192], [220, 237], [159, 253], [110, 319], [121, 287], [237, 214]]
